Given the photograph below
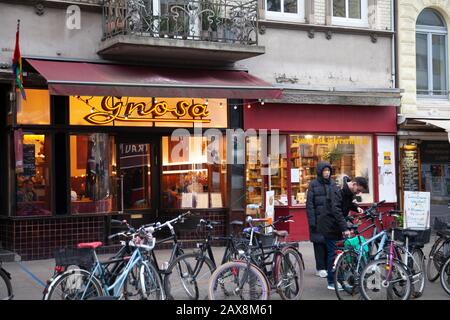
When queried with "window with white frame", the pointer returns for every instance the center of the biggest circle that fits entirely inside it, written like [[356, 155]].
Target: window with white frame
[[431, 55], [352, 13], [286, 10]]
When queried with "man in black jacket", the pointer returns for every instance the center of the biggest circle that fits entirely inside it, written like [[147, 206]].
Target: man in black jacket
[[350, 188], [318, 204], [333, 225]]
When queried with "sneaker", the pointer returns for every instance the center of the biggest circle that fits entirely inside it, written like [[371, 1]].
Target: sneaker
[[331, 287], [322, 273]]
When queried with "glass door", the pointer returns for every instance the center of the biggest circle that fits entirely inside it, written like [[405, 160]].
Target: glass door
[[138, 175]]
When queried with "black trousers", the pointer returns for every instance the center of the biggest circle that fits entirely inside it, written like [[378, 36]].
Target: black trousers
[[320, 253]]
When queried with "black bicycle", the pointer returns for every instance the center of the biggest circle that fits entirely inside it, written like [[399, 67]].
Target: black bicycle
[[6, 292], [188, 275], [440, 250]]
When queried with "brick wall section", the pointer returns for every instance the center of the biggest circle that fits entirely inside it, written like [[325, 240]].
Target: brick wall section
[[383, 17], [319, 11], [38, 238]]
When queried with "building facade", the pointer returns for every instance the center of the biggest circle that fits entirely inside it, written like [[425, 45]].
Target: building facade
[[424, 128], [108, 82], [335, 62]]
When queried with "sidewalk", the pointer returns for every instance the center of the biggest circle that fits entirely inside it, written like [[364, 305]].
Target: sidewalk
[[26, 288]]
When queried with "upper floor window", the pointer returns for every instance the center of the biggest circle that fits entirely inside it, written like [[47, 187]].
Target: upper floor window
[[431, 55], [287, 10], [350, 13]]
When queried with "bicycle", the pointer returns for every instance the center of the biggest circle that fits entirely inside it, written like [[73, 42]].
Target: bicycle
[[386, 278], [6, 292], [348, 263], [193, 270], [445, 276], [70, 258], [138, 278], [440, 250], [249, 279]]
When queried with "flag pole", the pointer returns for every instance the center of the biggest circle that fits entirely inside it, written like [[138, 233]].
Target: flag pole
[[14, 102]]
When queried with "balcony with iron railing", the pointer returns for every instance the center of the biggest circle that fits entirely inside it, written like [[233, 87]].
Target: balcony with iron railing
[[200, 31]]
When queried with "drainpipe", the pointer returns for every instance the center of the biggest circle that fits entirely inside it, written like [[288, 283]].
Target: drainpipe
[[393, 47]]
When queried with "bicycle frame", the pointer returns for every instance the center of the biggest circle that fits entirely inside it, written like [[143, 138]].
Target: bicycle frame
[[117, 286]]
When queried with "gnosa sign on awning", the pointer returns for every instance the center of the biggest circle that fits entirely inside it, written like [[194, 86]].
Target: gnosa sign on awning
[[148, 112]]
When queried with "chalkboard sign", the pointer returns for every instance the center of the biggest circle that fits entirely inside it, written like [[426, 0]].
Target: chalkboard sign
[[410, 169], [29, 161]]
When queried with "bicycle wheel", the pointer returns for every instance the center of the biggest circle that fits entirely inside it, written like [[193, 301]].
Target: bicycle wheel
[[347, 276], [187, 277], [417, 266], [238, 280], [151, 287], [379, 281], [74, 284], [435, 260], [445, 276], [5, 286], [289, 274]]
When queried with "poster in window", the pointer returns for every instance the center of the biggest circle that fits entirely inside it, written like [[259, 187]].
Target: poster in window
[[216, 200], [187, 200], [270, 207], [29, 160], [386, 169]]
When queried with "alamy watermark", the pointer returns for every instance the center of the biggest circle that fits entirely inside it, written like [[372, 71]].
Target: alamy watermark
[[73, 17], [261, 146]]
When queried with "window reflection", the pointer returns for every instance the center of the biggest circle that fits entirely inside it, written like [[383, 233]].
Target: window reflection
[[32, 173], [91, 162]]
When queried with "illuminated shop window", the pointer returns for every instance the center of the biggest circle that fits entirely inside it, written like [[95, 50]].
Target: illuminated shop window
[[33, 188], [194, 172], [91, 173]]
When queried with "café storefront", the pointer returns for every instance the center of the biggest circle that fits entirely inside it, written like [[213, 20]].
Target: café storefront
[[94, 141]]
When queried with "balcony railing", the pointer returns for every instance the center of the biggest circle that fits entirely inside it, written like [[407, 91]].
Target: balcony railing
[[228, 21]]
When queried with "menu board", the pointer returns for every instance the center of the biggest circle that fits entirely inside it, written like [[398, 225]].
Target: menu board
[[29, 160], [417, 210], [410, 169]]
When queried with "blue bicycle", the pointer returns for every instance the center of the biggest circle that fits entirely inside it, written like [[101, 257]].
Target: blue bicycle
[[139, 279]]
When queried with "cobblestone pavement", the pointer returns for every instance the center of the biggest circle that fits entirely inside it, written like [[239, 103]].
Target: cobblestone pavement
[[26, 288]]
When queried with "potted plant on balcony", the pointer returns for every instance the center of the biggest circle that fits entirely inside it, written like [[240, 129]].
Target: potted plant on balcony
[[211, 20]]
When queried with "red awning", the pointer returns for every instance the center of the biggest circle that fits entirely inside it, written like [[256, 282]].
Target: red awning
[[97, 79]]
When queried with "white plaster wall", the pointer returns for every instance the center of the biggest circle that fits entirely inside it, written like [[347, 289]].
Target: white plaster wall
[[347, 61]]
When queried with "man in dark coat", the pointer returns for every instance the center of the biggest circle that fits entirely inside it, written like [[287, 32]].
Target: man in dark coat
[[317, 205], [333, 225]]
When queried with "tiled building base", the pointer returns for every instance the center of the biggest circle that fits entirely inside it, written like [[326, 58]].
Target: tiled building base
[[38, 238]]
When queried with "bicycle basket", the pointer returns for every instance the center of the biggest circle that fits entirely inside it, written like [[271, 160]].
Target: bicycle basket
[[266, 240], [421, 239], [84, 258]]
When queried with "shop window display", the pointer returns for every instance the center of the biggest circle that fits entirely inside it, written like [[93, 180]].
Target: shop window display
[[32, 157], [348, 155], [254, 174], [91, 169], [194, 173]]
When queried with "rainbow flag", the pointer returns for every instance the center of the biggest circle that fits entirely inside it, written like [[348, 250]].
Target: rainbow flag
[[17, 64]]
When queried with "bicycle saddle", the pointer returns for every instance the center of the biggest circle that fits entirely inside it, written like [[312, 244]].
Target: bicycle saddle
[[236, 223], [280, 233], [89, 245]]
